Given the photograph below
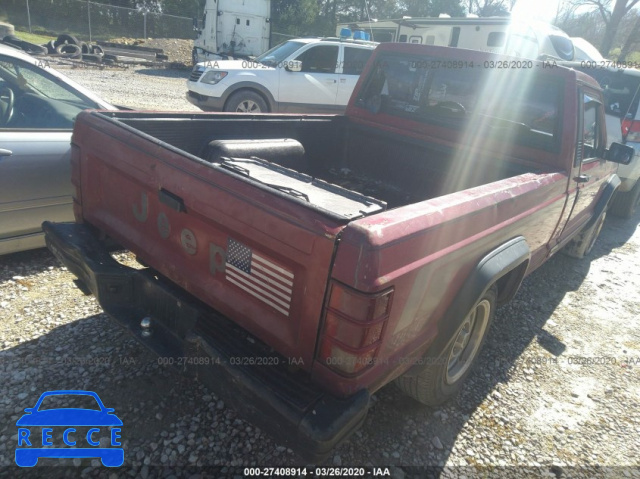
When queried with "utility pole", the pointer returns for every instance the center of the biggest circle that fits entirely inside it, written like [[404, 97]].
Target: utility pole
[[89, 15], [28, 16]]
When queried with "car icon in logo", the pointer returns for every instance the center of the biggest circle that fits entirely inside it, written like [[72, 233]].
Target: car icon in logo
[[44, 431]]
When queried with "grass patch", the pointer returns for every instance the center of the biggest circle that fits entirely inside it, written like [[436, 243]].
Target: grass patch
[[34, 37]]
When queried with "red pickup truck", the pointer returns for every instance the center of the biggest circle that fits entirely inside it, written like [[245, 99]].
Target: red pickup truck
[[299, 263]]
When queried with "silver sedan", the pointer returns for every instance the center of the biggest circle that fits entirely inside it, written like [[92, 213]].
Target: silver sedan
[[38, 106]]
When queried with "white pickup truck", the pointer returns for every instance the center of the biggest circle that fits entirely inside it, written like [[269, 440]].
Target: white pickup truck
[[305, 75]]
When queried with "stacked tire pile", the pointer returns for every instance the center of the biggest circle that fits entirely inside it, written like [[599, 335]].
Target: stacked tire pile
[[65, 46]]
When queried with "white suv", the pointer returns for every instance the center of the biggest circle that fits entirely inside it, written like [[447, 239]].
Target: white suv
[[302, 75]]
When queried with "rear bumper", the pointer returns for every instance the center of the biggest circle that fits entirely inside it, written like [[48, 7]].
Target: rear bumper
[[241, 370]]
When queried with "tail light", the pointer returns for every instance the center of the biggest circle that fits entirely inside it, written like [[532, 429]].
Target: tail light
[[631, 129], [353, 326]]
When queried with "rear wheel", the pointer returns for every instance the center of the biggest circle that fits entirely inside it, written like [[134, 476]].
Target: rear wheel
[[626, 203], [439, 378], [246, 101]]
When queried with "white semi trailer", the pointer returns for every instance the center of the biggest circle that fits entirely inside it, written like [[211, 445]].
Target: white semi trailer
[[232, 29]]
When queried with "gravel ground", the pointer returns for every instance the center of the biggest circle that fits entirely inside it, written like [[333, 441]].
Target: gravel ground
[[143, 88], [556, 393]]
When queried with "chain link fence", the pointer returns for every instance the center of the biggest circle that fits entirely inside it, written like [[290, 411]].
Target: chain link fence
[[93, 21]]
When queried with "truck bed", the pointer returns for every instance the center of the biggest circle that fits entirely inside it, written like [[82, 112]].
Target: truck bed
[[391, 171], [258, 254]]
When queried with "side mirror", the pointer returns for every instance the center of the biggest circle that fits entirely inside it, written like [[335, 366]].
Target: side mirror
[[619, 153], [293, 66]]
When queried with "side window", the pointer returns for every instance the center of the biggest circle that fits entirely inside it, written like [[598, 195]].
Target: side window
[[355, 59], [591, 126], [496, 39], [33, 98], [455, 36], [320, 59]]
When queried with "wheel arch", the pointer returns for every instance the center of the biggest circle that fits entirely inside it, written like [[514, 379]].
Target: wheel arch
[[609, 190], [253, 87], [505, 266]]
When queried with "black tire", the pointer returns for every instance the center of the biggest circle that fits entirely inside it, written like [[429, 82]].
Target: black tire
[[33, 49], [581, 245], [246, 101], [85, 47], [25, 46], [625, 204], [66, 39], [69, 51], [11, 40], [90, 57], [439, 377], [97, 50], [51, 47]]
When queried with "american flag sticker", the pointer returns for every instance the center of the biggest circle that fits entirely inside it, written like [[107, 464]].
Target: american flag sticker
[[259, 276]]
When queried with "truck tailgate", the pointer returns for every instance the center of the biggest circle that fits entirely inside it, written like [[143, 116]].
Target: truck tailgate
[[253, 254]]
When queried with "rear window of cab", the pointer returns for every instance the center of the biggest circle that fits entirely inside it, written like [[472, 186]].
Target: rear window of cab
[[519, 104]]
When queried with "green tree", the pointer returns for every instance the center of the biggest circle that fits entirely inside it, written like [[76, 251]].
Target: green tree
[[612, 13], [632, 39], [433, 8], [295, 17], [490, 8], [182, 8]]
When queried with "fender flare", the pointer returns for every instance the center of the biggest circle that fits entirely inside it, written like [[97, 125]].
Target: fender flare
[[610, 188], [512, 256]]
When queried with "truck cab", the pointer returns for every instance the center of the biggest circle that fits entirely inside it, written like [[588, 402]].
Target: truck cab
[[621, 95]]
